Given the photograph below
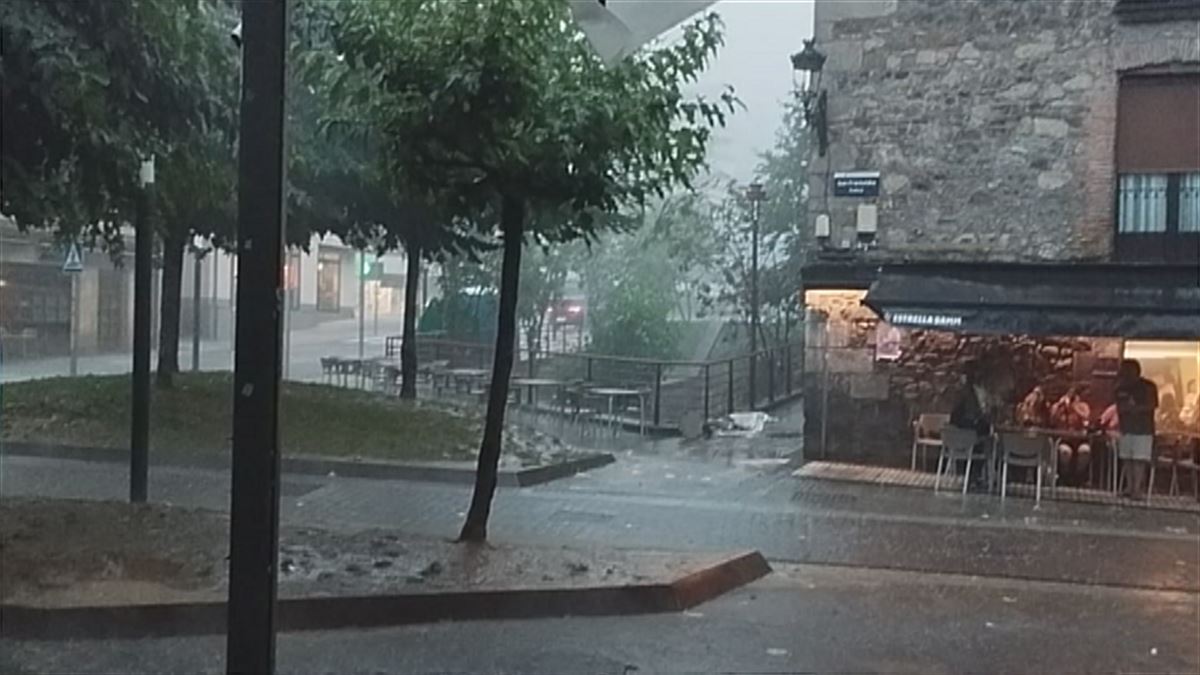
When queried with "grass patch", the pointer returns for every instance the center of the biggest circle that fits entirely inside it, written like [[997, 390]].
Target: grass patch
[[195, 417]]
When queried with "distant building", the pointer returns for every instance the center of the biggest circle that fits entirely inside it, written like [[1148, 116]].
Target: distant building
[[1012, 181], [35, 294]]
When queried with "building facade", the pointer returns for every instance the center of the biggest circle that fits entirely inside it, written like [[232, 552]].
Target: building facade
[[1011, 181], [324, 283]]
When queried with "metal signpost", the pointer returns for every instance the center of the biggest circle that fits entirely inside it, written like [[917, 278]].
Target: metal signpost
[[143, 275], [73, 265]]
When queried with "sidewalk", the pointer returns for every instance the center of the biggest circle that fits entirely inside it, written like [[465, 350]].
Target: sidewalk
[[681, 505]]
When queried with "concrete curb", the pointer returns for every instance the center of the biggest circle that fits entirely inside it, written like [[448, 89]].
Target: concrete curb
[[331, 613], [319, 466]]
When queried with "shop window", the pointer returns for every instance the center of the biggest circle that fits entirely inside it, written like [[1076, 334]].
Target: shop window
[[1158, 166], [1174, 367], [293, 281], [1148, 11], [329, 282]]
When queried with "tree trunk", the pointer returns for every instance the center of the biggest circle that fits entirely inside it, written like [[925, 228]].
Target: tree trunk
[[170, 307], [408, 342], [512, 225]]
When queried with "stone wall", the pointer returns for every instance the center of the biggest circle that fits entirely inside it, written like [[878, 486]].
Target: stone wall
[[868, 404], [992, 123]]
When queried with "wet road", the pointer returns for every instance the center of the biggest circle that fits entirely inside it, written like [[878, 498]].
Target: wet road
[[670, 503], [800, 619]]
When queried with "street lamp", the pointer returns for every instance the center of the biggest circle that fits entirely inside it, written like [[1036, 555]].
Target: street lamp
[[757, 194], [810, 62], [200, 249]]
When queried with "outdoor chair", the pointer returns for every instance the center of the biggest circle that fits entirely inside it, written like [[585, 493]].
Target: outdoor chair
[[927, 433], [1022, 449], [329, 369], [391, 380], [1175, 455], [958, 445]]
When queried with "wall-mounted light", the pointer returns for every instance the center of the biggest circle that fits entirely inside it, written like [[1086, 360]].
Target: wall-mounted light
[[809, 63]]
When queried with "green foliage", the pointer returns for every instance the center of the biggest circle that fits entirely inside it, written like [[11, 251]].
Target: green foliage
[[630, 299], [91, 86], [479, 100], [543, 280]]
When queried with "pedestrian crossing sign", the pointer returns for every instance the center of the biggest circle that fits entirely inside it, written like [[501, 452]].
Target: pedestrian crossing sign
[[74, 260]]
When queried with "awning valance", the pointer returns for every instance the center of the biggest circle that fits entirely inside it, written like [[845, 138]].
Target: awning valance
[[1131, 301]]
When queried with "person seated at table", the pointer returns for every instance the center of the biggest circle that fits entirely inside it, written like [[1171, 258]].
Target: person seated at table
[[1072, 413], [1034, 409], [1190, 414], [971, 412], [1110, 422], [1169, 414]]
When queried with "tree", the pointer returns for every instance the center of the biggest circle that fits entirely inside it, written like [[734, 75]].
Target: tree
[[631, 296], [89, 87], [340, 183], [194, 188], [500, 110], [543, 279]]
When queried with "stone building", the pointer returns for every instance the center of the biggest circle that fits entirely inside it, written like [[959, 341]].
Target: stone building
[[1009, 180]]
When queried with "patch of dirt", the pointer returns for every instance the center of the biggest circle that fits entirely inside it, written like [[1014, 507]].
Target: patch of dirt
[[51, 546], [59, 553]]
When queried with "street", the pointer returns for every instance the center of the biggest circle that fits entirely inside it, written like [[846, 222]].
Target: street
[[801, 619], [333, 338]]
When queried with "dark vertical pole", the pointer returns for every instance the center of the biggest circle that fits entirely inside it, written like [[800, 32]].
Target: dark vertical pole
[[589, 369], [772, 356], [788, 368], [729, 402], [139, 433], [254, 514], [756, 195], [197, 257], [657, 394], [707, 387]]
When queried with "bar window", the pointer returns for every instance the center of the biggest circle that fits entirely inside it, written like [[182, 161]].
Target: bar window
[[1189, 202], [1143, 204]]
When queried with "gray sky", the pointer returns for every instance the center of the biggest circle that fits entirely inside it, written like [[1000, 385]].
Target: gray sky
[[760, 35]]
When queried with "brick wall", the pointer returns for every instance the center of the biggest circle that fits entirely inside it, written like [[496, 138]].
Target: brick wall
[[992, 123]]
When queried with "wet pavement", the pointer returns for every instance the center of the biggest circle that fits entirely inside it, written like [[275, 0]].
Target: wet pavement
[[800, 619], [672, 501]]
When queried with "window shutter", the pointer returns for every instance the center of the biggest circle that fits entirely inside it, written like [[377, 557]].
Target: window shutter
[[1158, 124]]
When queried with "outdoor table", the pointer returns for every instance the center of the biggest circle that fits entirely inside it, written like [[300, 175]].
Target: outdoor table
[[612, 394], [1056, 437], [468, 375], [532, 384]]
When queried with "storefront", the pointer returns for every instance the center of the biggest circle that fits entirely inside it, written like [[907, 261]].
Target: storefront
[[882, 353]]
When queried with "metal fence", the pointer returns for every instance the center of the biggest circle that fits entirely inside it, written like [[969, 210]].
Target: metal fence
[[672, 389]]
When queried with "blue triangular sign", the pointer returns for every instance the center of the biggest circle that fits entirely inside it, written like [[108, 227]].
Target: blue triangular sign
[[73, 261]]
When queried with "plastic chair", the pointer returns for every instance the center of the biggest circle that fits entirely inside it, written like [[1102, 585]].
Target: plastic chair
[[1175, 455], [1023, 449], [927, 433], [958, 445]]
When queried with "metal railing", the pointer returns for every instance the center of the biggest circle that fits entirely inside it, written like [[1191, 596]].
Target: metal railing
[[672, 388]]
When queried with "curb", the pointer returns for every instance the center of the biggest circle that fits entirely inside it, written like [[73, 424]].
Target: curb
[[314, 466], [331, 613]]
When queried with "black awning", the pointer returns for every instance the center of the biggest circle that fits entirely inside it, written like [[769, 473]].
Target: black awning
[[1131, 301]]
